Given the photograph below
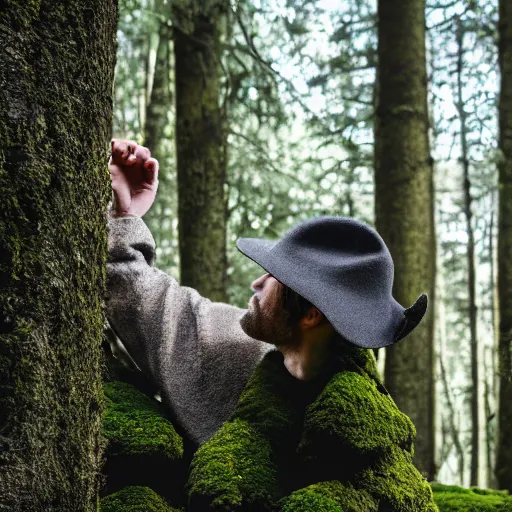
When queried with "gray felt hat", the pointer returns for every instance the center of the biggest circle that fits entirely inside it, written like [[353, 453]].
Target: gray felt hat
[[343, 267]]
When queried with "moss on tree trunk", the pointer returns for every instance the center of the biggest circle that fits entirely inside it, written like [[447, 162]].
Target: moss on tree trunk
[[504, 447], [404, 207], [56, 75], [158, 121], [200, 144]]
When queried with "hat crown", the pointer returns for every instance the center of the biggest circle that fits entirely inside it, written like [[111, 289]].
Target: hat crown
[[344, 268], [337, 234]]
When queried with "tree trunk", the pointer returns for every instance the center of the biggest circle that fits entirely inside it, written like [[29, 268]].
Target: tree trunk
[[404, 207], [158, 119], [504, 448], [452, 425], [200, 140], [492, 373], [56, 76], [470, 255]]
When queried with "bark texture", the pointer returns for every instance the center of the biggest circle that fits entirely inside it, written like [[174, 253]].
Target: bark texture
[[200, 142], [504, 447], [56, 74], [404, 207], [158, 118]]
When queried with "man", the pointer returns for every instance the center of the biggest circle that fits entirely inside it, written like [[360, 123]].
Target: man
[[327, 291]]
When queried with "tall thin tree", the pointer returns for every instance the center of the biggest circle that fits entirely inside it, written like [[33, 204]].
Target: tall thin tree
[[504, 446], [56, 76], [470, 253], [404, 206], [200, 141], [158, 121]]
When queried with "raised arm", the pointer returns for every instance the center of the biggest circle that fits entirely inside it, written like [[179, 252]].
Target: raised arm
[[194, 350]]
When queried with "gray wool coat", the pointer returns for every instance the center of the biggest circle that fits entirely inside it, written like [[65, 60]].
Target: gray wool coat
[[193, 349]]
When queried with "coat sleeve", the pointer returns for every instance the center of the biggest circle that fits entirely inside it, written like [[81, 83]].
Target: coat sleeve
[[193, 349], [136, 290]]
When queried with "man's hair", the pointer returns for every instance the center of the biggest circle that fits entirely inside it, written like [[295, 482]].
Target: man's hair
[[295, 306]]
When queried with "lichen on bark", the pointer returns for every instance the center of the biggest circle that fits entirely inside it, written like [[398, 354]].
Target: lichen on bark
[[56, 74]]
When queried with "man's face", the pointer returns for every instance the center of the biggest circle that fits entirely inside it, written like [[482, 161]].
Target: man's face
[[265, 318]]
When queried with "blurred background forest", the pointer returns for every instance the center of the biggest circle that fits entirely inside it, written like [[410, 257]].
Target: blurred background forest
[[292, 102]]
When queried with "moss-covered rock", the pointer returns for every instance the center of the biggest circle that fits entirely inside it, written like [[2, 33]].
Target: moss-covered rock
[[233, 471], [330, 496], [135, 499], [134, 424], [452, 498], [143, 447]]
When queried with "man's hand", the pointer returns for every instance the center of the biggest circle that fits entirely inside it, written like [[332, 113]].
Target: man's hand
[[134, 176]]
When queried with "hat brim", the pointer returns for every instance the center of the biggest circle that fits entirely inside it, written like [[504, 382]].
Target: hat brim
[[258, 250]]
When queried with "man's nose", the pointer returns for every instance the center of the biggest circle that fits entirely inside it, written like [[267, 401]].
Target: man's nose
[[258, 284]]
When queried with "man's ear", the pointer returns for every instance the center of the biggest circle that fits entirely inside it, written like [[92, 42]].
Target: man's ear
[[312, 318]]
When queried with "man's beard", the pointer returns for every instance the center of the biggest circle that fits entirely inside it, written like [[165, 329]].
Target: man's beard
[[271, 328]]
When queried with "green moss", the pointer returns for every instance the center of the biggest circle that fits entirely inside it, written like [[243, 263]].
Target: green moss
[[352, 416], [492, 492], [234, 469], [472, 502], [451, 498], [135, 499], [330, 496], [268, 402], [396, 483], [355, 441], [438, 487], [134, 424]]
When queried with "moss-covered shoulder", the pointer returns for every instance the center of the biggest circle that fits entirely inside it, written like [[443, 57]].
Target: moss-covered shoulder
[[135, 499], [267, 401], [134, 424], [332, 496], [237, 467], [234, 470], [353, 416]]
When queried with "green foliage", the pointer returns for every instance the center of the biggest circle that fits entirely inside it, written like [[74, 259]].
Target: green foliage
[[135, 425], [234, 470], [135, 499]]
